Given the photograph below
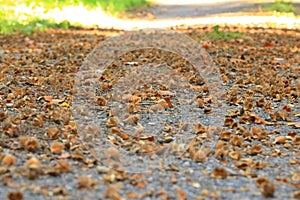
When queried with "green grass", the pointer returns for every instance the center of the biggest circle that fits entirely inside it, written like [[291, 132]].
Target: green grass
[[121, 6], [11, 21], [281, 6], [217, 34], [111, 6], [33, 25], [13, 24]]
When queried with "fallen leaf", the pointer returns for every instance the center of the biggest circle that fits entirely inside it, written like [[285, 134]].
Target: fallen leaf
[[181, 195], [33, 163], [29, 143], [57, 147], [259, 120], [9, 160], [63, 166], [65, 104], [219, 173], [280, 140], [119, 132], [48, 98], [53, 133], [16, 195], [85, 182], [100, 101], [112, 122]]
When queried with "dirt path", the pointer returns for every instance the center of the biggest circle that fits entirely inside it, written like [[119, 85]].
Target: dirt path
[[166, 9], [166, 13]]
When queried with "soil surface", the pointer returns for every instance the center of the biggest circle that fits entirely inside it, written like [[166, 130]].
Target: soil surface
[[253, 154]]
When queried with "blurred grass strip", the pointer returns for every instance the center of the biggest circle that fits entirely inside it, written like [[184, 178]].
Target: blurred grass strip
[[281, 6]]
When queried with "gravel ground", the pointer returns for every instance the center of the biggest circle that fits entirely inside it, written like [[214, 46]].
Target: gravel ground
[[48, 153]]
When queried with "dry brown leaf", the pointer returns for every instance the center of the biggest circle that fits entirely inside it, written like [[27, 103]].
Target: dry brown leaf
[[165, 93], [268, 190], [280, 140], [132, 99], [201, 101], [48, 98], [64, 156], [53, 133], [100, 101], [226, 135], [207, 110], [243, 163], [297, 140], [85, 182], [29, 143], [296, 194], [219, 173], [173, 168], [57, 101], [266, 187], [162, 103], [236, 155], [113, 153], [112, 122], [200, 155], [256, 149], [181, 195], [220, 145], [132, 195], [57, 147], [8, 160], [112, 192], [60, 191], [119, 132], [38, 121], [259, 120], [3, 115], [261, 180], [132, 119], [168, 100], [295, 176], [63, 166], [16, 195], [228, 122], [255, 130], [199, 128], [295, 124], [237, 140], [33, 163]]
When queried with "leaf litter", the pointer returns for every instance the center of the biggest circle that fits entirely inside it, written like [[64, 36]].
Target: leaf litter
[[43, 155]]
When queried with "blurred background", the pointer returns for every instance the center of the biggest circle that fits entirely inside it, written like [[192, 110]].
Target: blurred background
[[38, 15]]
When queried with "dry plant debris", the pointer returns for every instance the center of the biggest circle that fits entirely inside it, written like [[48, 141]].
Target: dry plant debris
[[42, 154]]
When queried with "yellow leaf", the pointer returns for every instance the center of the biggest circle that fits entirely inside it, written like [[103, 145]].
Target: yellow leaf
[[65, 104]]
